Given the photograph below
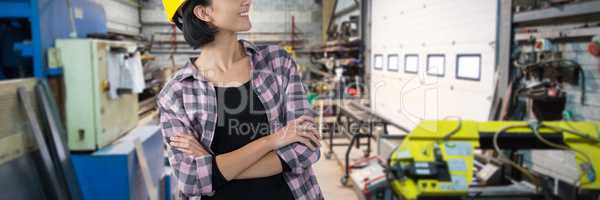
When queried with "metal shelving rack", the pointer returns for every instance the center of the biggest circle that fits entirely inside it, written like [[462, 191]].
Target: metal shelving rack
[[568, 10]]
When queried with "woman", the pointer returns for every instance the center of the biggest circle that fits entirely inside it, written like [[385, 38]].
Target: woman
[[235, 119]]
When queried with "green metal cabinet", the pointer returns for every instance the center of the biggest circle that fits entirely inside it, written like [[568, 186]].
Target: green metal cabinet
[[93, 119]]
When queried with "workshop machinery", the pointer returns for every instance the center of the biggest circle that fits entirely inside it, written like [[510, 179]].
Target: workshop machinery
[[28, 28], [93, 118], [437, 159]]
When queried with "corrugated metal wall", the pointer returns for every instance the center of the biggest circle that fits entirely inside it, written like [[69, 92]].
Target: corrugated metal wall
[[122, 16]]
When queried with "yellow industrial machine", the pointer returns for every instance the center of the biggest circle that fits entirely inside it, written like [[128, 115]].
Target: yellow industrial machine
[[436, 159]]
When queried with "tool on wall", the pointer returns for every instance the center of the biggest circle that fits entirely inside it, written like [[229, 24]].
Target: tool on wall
[[543, 84], [539, 89]]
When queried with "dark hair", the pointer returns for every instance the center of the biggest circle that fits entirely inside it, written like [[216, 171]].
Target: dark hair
[[195, 31]]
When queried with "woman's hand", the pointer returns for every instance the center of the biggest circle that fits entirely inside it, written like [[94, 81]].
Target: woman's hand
[[300, 130], [188, 145]]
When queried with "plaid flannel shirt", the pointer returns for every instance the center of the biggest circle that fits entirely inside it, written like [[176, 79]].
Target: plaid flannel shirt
[[187, 105]]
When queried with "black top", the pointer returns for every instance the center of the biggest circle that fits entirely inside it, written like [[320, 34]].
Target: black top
[[241, 120]]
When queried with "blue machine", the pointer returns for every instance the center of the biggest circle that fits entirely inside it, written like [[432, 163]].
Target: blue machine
[[29, 27], [113, 172]]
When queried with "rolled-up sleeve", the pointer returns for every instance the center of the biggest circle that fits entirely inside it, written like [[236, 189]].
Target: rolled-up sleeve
[[297, 156], [193, 174]]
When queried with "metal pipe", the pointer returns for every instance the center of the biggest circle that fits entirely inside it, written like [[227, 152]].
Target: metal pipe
[[73, 33]]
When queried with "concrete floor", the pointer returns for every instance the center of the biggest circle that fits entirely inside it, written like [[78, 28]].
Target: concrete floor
[[329, 171], [328, 174]]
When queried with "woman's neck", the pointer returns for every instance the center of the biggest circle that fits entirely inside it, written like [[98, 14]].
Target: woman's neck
[[221, 53]]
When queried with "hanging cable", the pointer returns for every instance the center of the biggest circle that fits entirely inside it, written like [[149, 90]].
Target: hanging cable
[[578, 153], [502, 157], [574, 132], [455, 130]]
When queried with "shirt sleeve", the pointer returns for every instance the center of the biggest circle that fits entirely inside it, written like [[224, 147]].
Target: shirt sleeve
[[284, 166], [193, 174], [298, 157]]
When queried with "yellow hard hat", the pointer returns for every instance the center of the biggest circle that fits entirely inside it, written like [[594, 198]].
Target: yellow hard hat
[[171, 7]]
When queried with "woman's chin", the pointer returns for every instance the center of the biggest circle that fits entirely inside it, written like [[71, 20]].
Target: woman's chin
[[245, 28], [236, 27]]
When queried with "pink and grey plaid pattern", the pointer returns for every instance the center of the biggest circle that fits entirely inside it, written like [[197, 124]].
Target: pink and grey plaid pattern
[[187, 105]]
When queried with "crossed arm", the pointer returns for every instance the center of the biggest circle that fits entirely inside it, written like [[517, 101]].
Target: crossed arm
[[268, 165], [258, 158]]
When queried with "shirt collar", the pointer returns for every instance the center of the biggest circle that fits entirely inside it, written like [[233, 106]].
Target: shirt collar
[[190, 70], [249, 47]]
